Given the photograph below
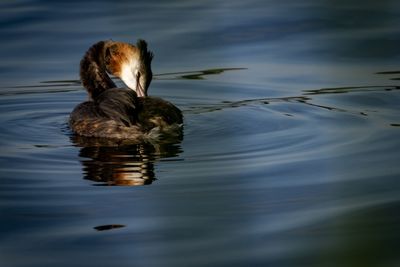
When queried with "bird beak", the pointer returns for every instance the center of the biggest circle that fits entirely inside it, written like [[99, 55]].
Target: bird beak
[[139, 88]]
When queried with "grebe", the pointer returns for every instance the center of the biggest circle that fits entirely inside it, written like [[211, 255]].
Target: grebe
[[121, 113]]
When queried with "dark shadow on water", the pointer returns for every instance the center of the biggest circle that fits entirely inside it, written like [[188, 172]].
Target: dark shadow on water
[[352, 89], [395, 73], [193, 75], [108, 227], [110, 162]]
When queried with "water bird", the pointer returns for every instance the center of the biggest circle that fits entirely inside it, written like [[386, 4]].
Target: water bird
[[122, 113]]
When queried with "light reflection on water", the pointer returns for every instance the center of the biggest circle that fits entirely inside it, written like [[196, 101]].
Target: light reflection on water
[[290, 148]]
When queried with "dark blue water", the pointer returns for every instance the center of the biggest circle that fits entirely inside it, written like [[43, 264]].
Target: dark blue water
[[290, 154]]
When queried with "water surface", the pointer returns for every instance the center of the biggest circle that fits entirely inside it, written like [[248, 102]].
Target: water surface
[[290, 149]]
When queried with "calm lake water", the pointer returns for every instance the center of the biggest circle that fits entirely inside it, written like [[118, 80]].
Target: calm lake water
[[290, 154]]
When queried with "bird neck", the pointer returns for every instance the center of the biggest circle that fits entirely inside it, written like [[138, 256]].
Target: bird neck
[[93, 71]]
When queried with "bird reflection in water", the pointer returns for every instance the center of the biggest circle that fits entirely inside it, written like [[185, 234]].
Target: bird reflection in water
[[110, 162]]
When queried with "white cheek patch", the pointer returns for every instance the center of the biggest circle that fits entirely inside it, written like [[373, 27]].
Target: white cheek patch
[[128, 75]]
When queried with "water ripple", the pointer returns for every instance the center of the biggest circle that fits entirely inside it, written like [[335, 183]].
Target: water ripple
[[291, 162]]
